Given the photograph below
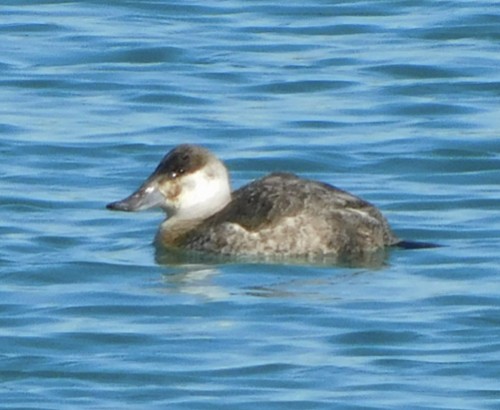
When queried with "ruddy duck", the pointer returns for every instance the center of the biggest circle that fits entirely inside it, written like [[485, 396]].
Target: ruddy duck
[[279, 215]]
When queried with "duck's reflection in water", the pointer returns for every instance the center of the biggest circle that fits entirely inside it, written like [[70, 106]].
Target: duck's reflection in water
[[195, 274]]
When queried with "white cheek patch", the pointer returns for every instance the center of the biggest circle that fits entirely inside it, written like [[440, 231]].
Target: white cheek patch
[[202, 193], [195, 187]]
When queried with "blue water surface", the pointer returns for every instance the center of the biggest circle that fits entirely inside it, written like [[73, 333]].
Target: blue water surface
[[395, 101]]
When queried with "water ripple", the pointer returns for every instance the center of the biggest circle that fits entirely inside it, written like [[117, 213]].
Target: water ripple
[[395, 101]]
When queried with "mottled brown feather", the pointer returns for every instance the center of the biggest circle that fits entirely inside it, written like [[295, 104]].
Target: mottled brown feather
[[286, 215]]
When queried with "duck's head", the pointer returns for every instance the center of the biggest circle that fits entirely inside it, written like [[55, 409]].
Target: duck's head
[[190, 182]]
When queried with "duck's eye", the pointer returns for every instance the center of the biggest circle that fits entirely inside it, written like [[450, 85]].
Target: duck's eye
[[175, 174]]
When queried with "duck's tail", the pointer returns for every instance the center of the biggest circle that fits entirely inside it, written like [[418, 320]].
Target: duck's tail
[[415, 245]]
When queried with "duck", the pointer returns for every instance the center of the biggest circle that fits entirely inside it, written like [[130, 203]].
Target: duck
[[279, 215]]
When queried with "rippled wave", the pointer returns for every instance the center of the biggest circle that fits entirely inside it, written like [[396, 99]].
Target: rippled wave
[[395, 101]]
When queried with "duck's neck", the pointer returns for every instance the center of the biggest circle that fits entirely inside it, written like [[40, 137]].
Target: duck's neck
[[203, 194], [173, 231]]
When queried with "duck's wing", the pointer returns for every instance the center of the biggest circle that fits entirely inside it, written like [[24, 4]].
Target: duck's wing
[[263, 210], [263, 202], [266, 201]]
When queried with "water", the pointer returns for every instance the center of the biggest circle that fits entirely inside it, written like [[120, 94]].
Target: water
[[395, 101]]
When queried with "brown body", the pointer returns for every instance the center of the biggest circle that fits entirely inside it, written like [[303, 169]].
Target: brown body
[[284, 215]]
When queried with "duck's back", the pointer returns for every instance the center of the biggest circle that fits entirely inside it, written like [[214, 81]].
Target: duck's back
[[284, 215]]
